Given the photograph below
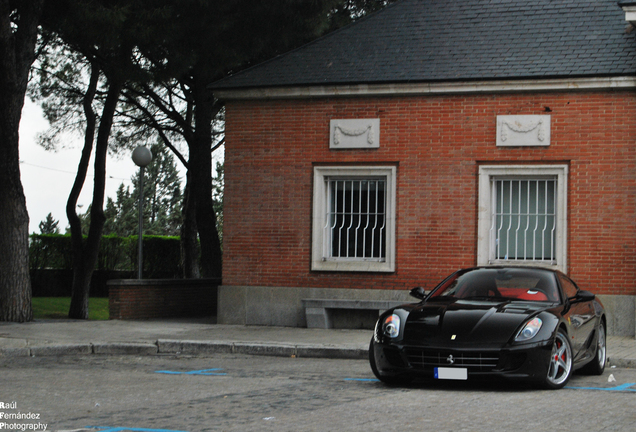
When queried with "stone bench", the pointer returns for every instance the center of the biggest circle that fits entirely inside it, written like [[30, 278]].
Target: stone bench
[[319, 311]]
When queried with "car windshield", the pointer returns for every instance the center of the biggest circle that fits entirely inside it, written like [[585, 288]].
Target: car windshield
[[501, 283]]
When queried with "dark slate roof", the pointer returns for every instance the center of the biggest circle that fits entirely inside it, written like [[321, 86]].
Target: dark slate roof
[[455, 40]]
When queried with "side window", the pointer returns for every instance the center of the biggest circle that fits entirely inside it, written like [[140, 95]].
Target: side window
[[569, 288]]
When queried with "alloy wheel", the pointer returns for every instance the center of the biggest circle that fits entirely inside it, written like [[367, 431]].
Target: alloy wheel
[[560, 366], [601, 348]]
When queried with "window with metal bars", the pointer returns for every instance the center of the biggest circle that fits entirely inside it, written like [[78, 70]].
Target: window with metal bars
[[524, 219], [355, 225]]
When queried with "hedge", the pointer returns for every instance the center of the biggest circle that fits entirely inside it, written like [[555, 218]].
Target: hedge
[[162, 256]]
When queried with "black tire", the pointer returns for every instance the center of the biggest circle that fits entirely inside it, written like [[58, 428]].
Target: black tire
[[390, 380], [560, 364], [597, 365]]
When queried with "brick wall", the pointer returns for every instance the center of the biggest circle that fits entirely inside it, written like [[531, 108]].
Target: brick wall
[[162, 298], [437, 143]]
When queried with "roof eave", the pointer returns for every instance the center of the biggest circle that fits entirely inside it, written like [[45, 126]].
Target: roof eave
[[428, 88]]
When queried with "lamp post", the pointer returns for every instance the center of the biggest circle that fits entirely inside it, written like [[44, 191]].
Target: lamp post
[[141, 156]]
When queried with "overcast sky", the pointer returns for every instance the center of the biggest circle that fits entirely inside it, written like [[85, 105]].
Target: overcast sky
[[47, 177]]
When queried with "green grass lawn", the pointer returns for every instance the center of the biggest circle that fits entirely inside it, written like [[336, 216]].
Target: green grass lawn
[[57, 307]]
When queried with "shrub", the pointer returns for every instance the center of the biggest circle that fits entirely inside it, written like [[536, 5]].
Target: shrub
[[162, 256]]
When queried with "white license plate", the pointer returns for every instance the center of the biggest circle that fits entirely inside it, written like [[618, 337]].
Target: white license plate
[[451, 373]]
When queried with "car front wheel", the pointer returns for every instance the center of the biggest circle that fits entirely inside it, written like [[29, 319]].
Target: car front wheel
[[560, 365]]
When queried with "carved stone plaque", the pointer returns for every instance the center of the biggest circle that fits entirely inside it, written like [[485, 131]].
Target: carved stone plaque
[[523, 130], [354, 133]]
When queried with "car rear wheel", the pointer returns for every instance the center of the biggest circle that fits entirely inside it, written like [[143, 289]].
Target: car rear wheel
[[560, 365], [390, 380], [597, 365]]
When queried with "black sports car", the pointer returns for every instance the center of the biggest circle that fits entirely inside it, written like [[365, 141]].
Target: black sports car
[[512, 322]]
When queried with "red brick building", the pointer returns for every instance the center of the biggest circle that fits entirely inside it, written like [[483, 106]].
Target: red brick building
[[428, 137]]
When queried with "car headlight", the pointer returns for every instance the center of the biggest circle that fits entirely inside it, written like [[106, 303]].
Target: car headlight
[[529, 330], [391, 326]]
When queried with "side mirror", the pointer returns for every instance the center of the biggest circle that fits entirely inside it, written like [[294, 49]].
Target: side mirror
[[418, 293], [582, 296]]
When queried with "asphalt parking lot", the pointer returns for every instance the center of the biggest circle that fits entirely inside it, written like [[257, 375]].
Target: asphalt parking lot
[[194, 375], [228, 392]]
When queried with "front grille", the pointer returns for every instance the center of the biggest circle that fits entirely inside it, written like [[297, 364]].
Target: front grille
[[476, 361]]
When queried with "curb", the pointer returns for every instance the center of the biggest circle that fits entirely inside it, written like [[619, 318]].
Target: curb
[[14, 352], [57, 350], [191, 347], [186, 347], [278, 350], [125, 348]]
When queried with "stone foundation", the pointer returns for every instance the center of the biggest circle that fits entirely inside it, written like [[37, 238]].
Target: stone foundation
[[282, 306]]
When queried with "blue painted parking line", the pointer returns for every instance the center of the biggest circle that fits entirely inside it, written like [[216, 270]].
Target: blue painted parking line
[[127, 429], [196, 372], [624, 387]]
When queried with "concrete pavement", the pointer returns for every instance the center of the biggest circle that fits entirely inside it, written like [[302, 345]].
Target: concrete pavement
[[199, 336]]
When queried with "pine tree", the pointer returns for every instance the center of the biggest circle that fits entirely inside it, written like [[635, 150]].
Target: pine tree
[[218, 185], [49, 225], [163, 198], [162, 194], [121, 214]]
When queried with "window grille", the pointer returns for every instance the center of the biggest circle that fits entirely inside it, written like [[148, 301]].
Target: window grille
[[524, 220], [356, 218]]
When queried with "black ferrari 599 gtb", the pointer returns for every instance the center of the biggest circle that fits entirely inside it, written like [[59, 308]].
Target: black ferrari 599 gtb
[[518, 323]]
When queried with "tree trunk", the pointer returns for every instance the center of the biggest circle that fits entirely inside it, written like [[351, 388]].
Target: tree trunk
[[15, 284], [189, 247], [79, 296], [83, 270], [200, 166], [17, 52]]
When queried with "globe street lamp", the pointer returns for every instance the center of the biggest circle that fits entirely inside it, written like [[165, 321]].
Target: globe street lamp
[[141, 156]]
